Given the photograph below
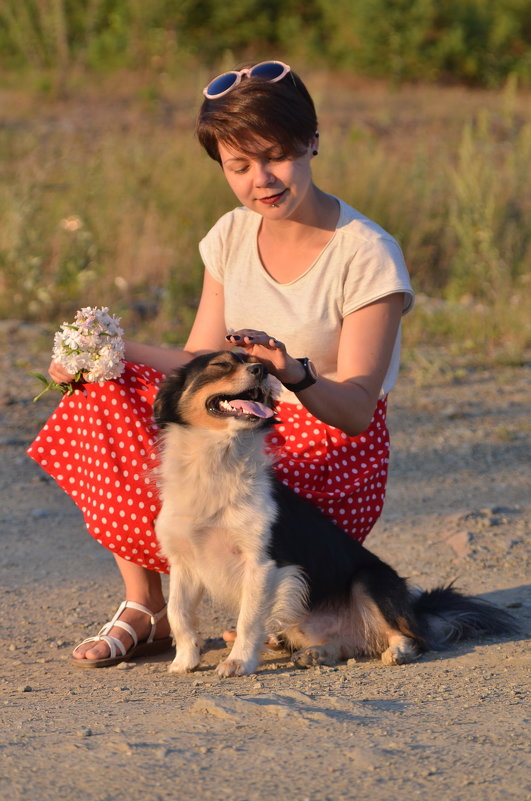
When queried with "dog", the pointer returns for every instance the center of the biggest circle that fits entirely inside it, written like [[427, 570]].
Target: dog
[[229, 527]]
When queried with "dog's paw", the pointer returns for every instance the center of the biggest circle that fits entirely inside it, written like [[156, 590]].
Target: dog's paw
[[182, 665], [315, 655], [235, 667], [400, 653], [275, 643]]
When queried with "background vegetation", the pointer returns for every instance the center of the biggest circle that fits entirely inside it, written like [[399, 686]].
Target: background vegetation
[[104, 193], [477, 41]]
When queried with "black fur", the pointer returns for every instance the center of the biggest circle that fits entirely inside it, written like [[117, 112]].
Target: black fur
[[333, 562], [304, 536], [448, 617]]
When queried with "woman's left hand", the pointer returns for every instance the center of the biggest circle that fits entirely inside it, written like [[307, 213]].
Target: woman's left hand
[[268, 350]]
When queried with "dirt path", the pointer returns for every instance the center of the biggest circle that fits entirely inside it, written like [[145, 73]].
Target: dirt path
[[451, 726]]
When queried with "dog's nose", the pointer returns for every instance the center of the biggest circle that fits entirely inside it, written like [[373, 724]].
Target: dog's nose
[[257, 369]]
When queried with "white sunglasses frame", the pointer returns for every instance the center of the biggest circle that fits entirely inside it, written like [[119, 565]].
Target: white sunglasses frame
[[246, 72]]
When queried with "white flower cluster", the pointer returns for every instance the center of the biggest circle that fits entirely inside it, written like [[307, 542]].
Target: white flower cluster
[[91, 348]]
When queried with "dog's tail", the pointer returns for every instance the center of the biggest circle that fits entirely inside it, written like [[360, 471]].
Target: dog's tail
[[446, 616]]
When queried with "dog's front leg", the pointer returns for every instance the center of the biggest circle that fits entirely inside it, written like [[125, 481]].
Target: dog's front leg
[[255, 604], [185, 594]]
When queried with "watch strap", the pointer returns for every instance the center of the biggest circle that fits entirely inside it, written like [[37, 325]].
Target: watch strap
[[309, 379]]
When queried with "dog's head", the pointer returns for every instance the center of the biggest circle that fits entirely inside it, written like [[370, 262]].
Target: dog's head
[[216, 391]]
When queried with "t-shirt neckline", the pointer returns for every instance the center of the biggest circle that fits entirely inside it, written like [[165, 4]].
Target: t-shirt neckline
[[340, 222]]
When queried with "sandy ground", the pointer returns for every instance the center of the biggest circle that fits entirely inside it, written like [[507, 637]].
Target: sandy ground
[[451, 726]]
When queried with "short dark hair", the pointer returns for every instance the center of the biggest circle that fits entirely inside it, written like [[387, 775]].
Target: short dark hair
[[282, 113]]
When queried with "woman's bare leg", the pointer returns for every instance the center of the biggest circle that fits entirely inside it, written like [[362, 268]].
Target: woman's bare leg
[[144, 587]]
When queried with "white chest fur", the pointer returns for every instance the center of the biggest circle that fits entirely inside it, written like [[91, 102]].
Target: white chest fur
[[217, 508]]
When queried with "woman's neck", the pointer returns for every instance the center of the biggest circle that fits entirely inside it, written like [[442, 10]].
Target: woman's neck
[[316, 217], [289, 247]]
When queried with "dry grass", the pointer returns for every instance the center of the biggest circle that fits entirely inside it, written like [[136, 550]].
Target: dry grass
[[105, 195]]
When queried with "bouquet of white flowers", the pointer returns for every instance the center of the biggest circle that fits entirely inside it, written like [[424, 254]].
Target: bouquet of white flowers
[[91, 348]]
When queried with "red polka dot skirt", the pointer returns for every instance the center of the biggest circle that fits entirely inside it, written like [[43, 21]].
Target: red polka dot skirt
[[100, 447], [344, 476]]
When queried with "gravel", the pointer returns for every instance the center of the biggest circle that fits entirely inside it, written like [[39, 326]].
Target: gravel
[[452, 726]]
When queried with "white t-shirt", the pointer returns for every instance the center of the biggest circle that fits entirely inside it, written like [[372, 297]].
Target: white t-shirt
[[360, 264]]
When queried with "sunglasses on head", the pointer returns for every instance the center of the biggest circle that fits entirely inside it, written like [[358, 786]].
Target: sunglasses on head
[[270, 71]]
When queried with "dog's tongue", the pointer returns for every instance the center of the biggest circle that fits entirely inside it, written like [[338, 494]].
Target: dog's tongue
[[252, 407]]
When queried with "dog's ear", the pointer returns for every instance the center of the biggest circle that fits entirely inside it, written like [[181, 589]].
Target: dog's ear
[[166, 406]]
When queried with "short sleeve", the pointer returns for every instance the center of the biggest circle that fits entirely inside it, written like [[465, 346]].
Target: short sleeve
[[213, 247], [377, 270]]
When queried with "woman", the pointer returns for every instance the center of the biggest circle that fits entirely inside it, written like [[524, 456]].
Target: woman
[[296, 278]]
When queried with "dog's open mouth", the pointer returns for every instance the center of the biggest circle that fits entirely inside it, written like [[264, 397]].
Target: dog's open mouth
[[247, 405]]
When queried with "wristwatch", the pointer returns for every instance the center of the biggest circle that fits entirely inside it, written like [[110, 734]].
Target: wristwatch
[[309, 379]]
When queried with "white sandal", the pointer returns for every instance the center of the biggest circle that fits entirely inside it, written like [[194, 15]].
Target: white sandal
[[117, 650]]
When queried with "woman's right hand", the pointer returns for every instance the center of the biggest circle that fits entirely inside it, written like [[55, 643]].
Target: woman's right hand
[[58, 373], [270, 351]]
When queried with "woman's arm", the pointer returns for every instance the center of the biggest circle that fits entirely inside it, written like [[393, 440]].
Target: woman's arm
[[209, 329], [365, 349], [208, 333]]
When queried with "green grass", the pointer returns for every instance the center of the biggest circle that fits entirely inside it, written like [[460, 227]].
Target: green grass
[[105, 195]]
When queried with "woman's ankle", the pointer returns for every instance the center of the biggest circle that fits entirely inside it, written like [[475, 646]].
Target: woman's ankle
[[141, 585]]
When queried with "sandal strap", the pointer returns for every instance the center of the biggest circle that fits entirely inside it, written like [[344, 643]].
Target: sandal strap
[[114, 644], [121, 624], [154, 618]]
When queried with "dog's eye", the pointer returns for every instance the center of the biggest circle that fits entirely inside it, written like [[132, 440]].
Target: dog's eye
[[225, 364]]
